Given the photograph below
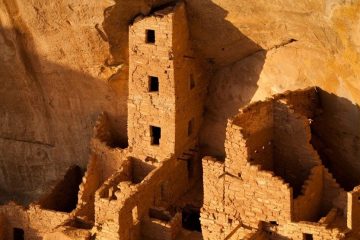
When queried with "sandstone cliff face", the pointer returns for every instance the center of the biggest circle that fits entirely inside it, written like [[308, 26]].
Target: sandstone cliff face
[[64, 62]]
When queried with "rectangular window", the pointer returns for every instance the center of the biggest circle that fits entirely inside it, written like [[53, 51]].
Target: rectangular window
[[308, 236], [150, 36], [153, 84], [18, 234], [191, 82], [155, 133], [190, 127]]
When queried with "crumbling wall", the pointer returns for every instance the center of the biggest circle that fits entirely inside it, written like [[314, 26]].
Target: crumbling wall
[[336, 137], [34, 221], [249, 138], [160, 188], [160, 229], [333, 195], [63, 197], [353, 209], [292, 150], [307, 206], [128, 200], [90, 183], [106, 211], [256, 196], [212, 214], [104, 146], [299, 231]]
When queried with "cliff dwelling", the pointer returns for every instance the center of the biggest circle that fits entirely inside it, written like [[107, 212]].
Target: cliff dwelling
[[191, 136]]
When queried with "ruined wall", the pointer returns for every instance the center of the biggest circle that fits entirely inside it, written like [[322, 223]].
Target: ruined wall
[[294, 155], [34, 221], [91, 181], [332, 144], [106, 211], [248, 138], [333, 195], [307, 206], [159, 188], [353, 209], [298, 231], [258, 196], [212, 213], [162, 230], [110, 153], [128, 199]]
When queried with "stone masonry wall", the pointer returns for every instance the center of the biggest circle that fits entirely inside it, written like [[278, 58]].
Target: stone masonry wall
[[181, 92], [298, 231], [34, 221], [160, 188], [248, 138], [132, 202], [213, 213], [151, 108], [307, 205], [353, 209]]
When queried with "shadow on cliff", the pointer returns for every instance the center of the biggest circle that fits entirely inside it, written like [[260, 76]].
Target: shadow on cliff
[[234, 63], [48, 111], [336, 137]]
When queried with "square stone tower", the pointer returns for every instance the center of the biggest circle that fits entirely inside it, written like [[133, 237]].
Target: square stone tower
[[166, 87]]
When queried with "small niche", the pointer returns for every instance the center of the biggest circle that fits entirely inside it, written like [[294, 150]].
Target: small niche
[[308, 236], [18, 234], [191, 81], [155, 133], [190, 127], [153, 84], [150, 36]]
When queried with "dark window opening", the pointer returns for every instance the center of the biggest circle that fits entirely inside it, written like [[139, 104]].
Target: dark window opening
[[308, 236], [153, 84], [192, 81], [155, 135], [359, 198], [18, 234], [274, 223], [191, 219], [150, 36], [190, 127]]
